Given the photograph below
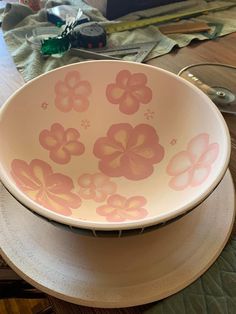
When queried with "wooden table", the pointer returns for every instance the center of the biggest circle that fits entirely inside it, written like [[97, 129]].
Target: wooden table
[[221, 50]]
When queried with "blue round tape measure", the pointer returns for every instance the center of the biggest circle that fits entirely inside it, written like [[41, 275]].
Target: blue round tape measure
[[89, 35]]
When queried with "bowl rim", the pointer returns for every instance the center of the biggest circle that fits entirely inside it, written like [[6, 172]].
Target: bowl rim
[[127, 225]]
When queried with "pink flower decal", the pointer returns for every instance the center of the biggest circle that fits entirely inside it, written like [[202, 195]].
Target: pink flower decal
[[95, 186], [129, 91], [119, 208], [149, 114], [129, 152], [85, 124], [191, 167], [72, 93], [62, 144], [44, 106], [51, 190]]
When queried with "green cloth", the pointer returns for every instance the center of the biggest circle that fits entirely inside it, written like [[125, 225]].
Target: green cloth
[[20, 20], [213, 293]]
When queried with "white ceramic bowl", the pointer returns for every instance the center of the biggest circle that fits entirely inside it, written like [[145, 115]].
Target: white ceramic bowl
[[111, 145]]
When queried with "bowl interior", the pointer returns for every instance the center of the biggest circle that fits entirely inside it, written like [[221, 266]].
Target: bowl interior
[[109, 145]]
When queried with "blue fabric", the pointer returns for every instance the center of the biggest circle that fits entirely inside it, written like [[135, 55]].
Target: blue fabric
[[213, 293]]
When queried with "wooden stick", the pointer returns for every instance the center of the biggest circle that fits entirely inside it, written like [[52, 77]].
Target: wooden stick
[[188, 27]]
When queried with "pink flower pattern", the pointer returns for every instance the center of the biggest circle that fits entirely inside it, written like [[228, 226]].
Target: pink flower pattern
[[149, 114], [51, 190], [129, 91], [44, 106], [61, 144], [190, 168], [120, 208], [95, 186], [129, 152], [72, 93], [85, 124]]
